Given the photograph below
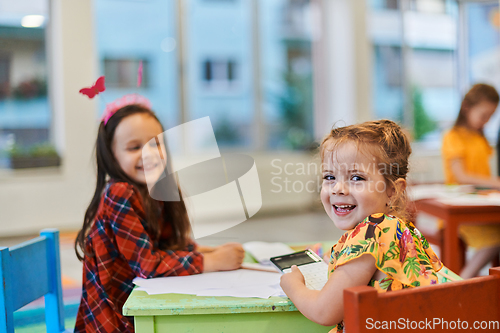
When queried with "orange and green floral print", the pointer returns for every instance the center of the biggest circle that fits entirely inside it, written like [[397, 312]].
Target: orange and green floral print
[[399, 249]]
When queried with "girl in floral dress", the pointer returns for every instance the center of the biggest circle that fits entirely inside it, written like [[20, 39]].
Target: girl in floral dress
[[364, 193]]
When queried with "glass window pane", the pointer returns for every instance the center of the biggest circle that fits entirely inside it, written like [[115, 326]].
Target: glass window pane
[[417, 77], [25, 113], [122, 73], [286, 46], [219, 75], [219, 45], [387, 87], [483, 31], [129, 32]]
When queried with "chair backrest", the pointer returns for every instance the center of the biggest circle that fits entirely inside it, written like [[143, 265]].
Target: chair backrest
[[452, 306], [29, 271]]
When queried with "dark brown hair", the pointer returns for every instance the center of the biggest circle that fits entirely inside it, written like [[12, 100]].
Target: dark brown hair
[[157, 212], [384, 140], [478, 93]]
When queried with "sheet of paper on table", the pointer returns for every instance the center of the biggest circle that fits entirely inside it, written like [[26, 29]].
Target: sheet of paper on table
[[455, 195], [263, 251], [492, 199], [238, 283], [438, 191]]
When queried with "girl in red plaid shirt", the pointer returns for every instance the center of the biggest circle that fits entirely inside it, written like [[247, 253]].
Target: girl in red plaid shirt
[[126, 233]]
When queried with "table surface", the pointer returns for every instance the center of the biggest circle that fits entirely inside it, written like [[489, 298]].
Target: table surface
[[170, 312], [453, 216], [463, 213], [141, 304]]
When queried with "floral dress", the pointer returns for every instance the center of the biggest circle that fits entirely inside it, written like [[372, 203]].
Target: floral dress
[[400, 251]]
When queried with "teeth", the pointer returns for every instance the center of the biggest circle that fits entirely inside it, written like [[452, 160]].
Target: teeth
[[344, 206]]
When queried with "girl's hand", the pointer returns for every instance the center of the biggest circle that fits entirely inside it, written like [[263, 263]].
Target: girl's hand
[[205, 249], [292, 280], [226, 257]]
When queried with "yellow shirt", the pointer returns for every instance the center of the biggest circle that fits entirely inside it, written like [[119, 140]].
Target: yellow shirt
[[469, 146]]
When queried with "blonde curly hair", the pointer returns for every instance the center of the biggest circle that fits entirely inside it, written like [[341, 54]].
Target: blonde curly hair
[[388, 144]]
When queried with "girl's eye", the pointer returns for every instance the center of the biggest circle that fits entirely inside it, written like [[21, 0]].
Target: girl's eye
[[328, 177], [357, 178], [133, 148]]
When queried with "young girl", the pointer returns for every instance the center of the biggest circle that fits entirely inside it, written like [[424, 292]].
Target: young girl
[[126, 233], [363, 192], [465, 157]]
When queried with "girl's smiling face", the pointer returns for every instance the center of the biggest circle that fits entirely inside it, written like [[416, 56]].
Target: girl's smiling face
[[353, 187], [134, 150]]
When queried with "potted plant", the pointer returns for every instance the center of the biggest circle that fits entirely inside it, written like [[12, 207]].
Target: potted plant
[[38, 156]]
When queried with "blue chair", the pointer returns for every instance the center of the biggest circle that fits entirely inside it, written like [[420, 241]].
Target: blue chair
[[29, 271]]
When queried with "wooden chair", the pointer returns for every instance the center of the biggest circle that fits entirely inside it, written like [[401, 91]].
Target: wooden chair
[[29, 271], [438, 308]]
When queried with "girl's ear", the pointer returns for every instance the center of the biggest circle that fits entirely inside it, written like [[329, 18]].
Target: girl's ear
[[399, 187]]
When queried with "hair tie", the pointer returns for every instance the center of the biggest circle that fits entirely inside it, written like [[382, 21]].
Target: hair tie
[[123, 101]]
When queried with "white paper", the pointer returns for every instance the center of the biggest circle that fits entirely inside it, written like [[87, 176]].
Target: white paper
[[473, 200], [438, 191], [262, 251], [237, 283], [260, 267]]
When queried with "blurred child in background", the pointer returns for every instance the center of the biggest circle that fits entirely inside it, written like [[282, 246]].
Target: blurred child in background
[[466, 154]]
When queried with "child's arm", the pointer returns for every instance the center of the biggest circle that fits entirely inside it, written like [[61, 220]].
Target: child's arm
[[326, 306], [125, 235], [134, 244], [463, 177], [205, 249], [226, 257]]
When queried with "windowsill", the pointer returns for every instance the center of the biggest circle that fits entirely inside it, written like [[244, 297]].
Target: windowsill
[[30, 174]]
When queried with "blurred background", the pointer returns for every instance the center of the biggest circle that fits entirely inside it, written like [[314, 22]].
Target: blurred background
[[273, 76]]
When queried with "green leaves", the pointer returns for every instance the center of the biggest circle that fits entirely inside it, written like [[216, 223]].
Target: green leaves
[[390, 270]]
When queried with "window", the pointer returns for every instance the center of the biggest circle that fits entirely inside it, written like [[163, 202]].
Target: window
[[482, 49], [151, 38], [287, 73], [392, 4], [4, 76], [219, 73], [221, 43], [25, 113], [428, 6], [384, 4], [415, 75], [390, 61], [122, 73]]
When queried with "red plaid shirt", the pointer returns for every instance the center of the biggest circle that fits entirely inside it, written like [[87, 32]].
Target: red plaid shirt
[[123, 250]]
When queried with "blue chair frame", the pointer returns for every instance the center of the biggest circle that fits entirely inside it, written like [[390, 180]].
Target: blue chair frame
[[29, 271]]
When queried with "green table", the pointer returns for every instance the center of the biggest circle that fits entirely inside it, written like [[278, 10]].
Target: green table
[[188, 313]]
